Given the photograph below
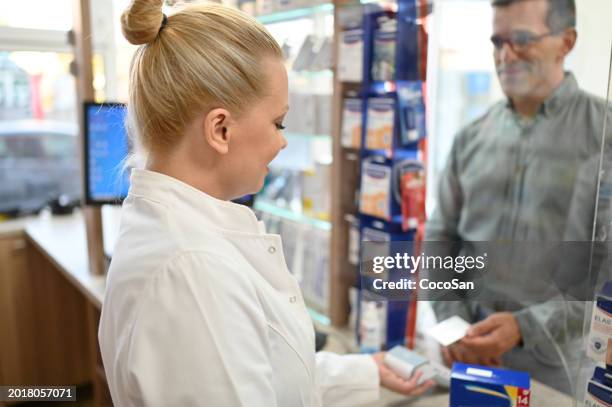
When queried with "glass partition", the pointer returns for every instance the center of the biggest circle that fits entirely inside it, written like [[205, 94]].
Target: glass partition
[[523, 176], [593, 378]]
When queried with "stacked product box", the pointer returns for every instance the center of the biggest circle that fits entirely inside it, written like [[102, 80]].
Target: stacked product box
[[599, 349], [599, 389], [351, 123], [385, 121], [390, 116], [600, 334], [385, 37], [381, 113], [375, 190], [350, 65], [390, 325], [479, 386]]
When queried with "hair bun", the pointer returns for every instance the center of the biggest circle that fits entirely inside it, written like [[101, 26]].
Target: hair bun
[[141, 21]]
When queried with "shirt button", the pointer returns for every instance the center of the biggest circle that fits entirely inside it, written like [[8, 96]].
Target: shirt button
[[271, 249], [292, 299]]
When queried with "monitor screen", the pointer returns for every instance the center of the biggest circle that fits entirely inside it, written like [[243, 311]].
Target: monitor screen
[[106, 148]]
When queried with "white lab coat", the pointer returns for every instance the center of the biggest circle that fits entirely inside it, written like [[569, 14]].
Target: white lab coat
[[200, 310]]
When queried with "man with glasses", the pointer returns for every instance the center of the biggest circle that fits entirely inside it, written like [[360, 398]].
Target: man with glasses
[[510, 177]]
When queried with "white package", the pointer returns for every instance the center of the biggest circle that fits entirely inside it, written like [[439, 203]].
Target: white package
[[350, 58], [351, 123], [449, 331]]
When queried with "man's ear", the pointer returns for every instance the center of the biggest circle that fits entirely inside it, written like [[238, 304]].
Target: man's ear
[[569, 41], [215, 129]]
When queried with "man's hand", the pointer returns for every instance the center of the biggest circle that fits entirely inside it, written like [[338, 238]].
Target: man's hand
[[458, 352], [396, 383], [493, 337]]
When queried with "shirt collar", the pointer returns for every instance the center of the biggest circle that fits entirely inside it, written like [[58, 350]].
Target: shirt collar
[[558, 98], [192, 203]]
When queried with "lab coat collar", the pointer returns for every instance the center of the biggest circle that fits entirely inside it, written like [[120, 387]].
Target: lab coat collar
[[184, 198]]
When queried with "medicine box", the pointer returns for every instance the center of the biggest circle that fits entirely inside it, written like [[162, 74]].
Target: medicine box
[[375, 190], [601, 324], [407, 363], [383, 61], [350, 56], [599, 393], [411, 112], [479, 386], [381, 116], [351, 123]]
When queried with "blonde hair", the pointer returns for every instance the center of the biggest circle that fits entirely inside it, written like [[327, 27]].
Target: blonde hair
[[206, 55]]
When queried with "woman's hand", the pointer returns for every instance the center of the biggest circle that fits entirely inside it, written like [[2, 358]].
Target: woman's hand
[[398, 384]]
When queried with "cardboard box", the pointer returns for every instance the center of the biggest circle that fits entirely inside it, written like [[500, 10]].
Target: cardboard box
[[351, 123], [599, 393], [375, 190], [601, 325], [381, 113], [480, 386], [350, 56]]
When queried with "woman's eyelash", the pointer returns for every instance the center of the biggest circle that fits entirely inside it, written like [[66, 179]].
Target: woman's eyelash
[[280, 126]]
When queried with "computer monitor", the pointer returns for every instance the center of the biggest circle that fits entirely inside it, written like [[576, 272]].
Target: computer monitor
[[106, 147]]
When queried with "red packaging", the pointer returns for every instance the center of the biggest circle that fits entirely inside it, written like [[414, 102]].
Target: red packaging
[[413, 199]]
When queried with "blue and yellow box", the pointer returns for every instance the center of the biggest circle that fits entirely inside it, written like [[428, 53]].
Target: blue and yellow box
[[480, 386], [599, 392]]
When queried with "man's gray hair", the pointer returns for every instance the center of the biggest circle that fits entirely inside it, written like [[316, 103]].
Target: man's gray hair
[[561, 13]]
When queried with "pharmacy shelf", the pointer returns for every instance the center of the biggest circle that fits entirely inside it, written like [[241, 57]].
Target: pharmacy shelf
[[295, 14], [291, 215], [318, 317], [317, 137], [323, 73]]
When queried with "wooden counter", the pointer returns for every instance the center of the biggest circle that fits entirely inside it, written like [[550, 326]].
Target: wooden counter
[[62, 241], [50, 303]]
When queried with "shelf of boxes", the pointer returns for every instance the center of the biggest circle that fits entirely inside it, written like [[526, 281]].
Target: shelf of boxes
[[295, 199], [377, 131]]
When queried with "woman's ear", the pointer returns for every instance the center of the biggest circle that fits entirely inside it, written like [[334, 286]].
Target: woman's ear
[[215, 129]]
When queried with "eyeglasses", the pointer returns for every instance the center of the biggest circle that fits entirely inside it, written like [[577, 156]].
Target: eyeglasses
[[519, 40]]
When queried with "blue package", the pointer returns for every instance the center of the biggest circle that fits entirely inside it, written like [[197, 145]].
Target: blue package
[[603, 376], [411, 111], [480, 386], [383, 63], [599, 393]]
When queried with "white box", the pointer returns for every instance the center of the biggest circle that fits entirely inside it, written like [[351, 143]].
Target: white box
[[350, 56]]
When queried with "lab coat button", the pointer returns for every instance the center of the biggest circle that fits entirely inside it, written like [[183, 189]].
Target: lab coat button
[[271, 249]]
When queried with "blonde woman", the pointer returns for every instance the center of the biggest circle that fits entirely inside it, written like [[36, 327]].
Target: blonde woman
[[200, 309]]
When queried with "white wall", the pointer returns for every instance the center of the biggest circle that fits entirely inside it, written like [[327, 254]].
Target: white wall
[[590, 60]]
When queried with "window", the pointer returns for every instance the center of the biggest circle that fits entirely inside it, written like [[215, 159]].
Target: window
[[38, 14], [36, 85]]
